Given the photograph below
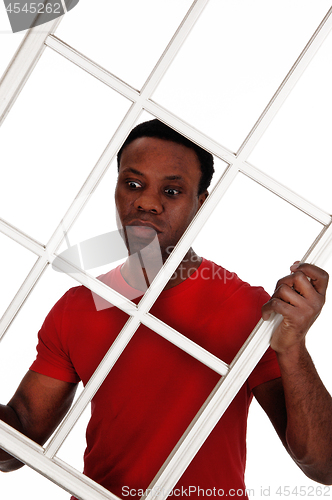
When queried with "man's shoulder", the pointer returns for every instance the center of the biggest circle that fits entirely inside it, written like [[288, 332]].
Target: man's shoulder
[[218, 279], [81, 298], [77, 297], [210, 270], [81, 292]]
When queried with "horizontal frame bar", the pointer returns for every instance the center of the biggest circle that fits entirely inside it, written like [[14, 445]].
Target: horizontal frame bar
[[92, 68], [188, 131], [55, 470]]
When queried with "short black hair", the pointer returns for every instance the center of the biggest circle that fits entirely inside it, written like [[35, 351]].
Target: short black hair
[[156, 128]]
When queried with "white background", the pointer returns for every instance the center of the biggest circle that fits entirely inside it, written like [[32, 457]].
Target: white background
[[229, 68]]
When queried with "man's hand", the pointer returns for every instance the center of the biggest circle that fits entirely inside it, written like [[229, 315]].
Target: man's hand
[[299, 298], [36, 409], [303, 418]]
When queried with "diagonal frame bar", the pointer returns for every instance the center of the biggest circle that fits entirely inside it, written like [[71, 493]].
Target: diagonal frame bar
[[225, 391], [286, 86], [238, 163], [22, 65], [55, 470], [195, 437], [15, 78], [152, 82]]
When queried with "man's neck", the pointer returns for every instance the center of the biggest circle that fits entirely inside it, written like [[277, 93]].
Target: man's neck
[[139, 277]]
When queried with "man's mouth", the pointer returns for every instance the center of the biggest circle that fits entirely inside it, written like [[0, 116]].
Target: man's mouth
[[142, 232], [143, 224]]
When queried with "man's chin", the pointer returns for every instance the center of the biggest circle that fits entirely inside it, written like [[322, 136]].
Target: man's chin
[[138, 237], [140, 233]]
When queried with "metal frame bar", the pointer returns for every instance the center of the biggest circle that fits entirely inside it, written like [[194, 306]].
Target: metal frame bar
[[11, 85]]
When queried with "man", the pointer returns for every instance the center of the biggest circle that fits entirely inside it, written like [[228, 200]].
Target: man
[[155, 389]]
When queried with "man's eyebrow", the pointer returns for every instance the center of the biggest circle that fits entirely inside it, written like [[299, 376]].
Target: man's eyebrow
[[167, 177], [133, 171], [174, 178]]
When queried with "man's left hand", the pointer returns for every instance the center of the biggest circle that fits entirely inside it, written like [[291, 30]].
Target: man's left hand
[[299, 298]]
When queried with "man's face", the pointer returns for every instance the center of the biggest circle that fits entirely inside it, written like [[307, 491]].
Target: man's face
[[157, 188]]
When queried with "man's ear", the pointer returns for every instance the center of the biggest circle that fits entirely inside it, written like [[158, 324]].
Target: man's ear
[[202, 197]]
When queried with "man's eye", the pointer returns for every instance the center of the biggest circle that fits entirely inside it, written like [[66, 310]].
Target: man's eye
[[172, 191], [133, 184]]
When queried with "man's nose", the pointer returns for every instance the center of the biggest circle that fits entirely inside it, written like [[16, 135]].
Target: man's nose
[[149, 201]]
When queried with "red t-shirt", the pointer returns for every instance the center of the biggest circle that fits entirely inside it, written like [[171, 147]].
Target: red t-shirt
[[155, 389]]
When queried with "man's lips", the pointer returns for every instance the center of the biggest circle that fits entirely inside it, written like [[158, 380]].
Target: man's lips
[[143, 223]]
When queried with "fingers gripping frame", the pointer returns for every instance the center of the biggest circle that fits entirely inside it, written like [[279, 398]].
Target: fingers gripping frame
[[44, 460]]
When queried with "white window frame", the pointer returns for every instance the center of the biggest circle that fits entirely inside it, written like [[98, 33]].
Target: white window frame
[[44, 460]]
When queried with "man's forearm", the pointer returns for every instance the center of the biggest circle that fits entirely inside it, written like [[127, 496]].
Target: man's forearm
[[7, 462], [309, 415]]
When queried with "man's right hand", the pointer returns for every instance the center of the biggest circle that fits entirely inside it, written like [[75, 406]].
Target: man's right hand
[[36, 409]]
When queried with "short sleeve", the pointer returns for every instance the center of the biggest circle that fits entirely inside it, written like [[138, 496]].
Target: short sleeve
[[268, 367], [52, 359]]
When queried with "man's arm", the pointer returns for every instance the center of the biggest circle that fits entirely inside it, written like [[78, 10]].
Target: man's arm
[[36, 409], [298, 404]]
